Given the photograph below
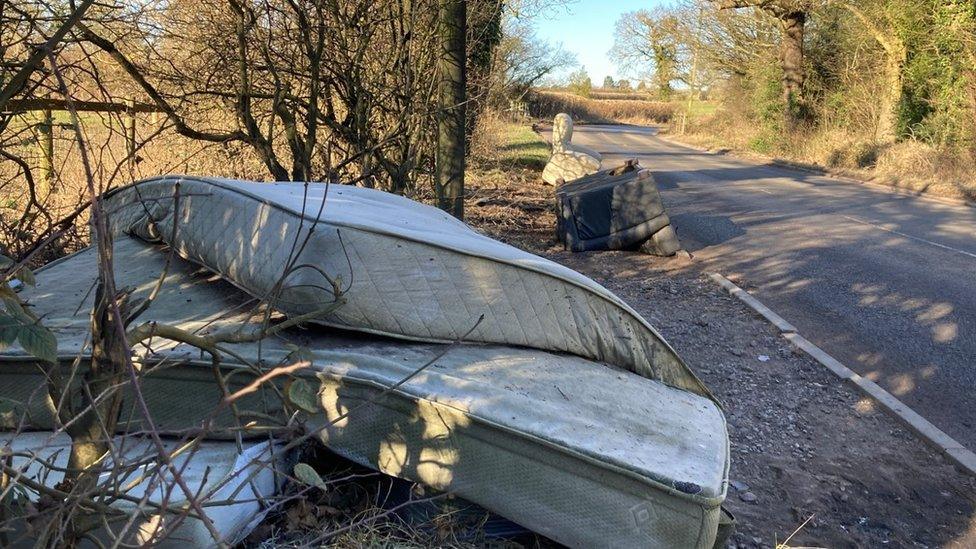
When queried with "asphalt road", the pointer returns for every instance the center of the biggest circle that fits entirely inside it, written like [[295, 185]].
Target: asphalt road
[[884, 282]]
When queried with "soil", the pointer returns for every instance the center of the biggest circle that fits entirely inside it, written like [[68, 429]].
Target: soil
[[806, 448]]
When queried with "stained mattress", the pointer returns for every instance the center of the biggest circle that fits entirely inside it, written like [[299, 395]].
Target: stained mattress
[[232, 478], [406, 270], [584, 452]]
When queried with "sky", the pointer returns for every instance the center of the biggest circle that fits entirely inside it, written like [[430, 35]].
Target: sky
[[585, 27]]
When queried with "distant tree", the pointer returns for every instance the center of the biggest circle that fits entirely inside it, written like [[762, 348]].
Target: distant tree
[[651, 42], [579, 82], [624, 85], [523, 60], [608, 83], [484, 35]]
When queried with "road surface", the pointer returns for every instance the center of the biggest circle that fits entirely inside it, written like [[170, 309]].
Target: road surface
[[886, 283]]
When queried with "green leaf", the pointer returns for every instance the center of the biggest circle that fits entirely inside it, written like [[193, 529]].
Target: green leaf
[[34, 338], [15, 501], [8, 331], [24, 274], [8, 293], [11, 411], [40, 342], [306, 475], [13, 305], [301, 394]]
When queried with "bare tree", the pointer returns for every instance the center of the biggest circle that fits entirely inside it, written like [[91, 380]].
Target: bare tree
[[792, 15], [524, 60], [652, 42], [894, 64]]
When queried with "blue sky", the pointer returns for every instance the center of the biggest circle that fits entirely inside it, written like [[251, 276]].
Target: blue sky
[[585, 27]]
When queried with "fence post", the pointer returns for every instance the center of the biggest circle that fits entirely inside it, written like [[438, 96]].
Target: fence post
[[45, 142], [129, 125]]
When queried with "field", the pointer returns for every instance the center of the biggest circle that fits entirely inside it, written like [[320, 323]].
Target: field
[[547, 104]]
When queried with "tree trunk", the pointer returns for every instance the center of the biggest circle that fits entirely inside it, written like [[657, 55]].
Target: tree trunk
[[89, 409], [98, 396], [895, 56], [791, 61], [888, 117], [449, 182]]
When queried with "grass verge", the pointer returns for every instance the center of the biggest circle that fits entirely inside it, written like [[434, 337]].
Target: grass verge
[[521, 148], [505, 196]]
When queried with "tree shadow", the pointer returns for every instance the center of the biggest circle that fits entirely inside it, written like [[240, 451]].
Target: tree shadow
[[878, 279]]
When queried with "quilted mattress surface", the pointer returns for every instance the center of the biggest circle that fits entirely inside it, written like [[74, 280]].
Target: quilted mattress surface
[[586, 453], [231, 478], [404, 269]]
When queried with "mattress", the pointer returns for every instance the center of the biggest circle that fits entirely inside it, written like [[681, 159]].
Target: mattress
[[604, 211], [404, 269], [586, 453], [229, 478]]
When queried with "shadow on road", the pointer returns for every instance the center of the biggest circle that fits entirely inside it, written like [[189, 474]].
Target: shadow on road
[[883, 282]]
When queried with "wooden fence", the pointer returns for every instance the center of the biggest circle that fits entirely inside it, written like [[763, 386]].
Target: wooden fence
[[45, 129]]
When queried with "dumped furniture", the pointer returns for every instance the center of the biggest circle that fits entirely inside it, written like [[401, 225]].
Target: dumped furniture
[[617, 209], [238, 477], [568, 161], [570, 415]]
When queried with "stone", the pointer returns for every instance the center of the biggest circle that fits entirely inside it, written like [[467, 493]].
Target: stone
[[739, 486], [568, 166]]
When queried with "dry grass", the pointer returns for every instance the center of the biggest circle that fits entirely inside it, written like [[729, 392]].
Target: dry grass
[[362, 508], [920, 167], [621, 95], [160, 151], [547, 104]]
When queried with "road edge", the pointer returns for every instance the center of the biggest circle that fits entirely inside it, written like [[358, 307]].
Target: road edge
[[961, 456]]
